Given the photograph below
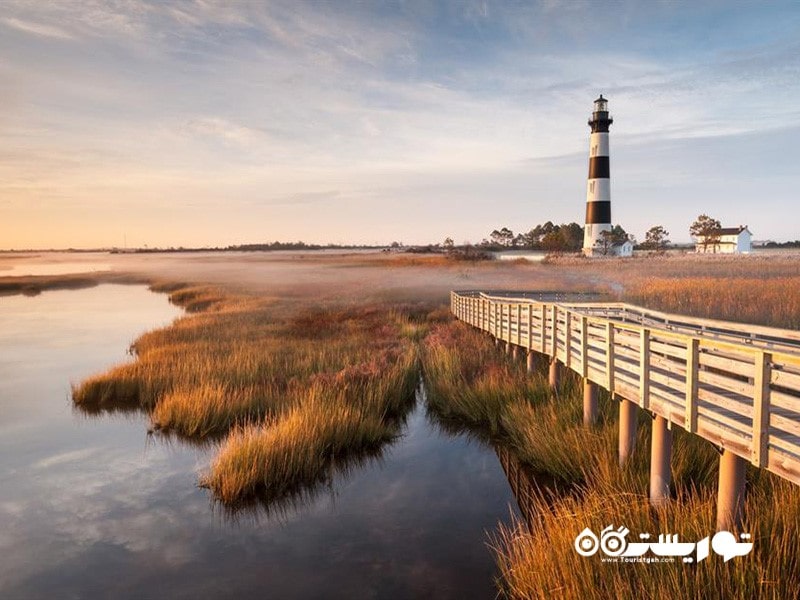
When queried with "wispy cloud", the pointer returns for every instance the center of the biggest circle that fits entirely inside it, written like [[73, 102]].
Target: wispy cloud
[[48, 31], [222, 129]]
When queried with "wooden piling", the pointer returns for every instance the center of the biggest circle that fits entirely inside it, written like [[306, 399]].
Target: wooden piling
[[730, 491], [589, 403], [627, 429], [531, 361], [660, 455], [553, 375]]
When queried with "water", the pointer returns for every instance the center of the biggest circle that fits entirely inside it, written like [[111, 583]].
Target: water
[[94, 508], [24, 269]]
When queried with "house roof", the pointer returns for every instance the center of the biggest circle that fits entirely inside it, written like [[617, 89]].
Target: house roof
[[730, 230]]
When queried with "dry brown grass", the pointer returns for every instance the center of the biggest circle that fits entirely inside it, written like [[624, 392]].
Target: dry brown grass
[[773, 301], [538, 560], [352, 411], [296, 385]]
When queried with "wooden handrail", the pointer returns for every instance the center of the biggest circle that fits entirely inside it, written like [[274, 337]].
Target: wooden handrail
[[736, 385]]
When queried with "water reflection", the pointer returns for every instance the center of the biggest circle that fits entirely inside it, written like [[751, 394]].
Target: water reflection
[[96, 508], [527, 487], [524, 484], [290, 502]]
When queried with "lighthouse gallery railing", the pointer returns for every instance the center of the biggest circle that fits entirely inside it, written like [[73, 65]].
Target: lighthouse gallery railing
[[736, 385]]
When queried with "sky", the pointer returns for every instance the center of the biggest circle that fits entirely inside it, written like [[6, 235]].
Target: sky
[[203, 123]]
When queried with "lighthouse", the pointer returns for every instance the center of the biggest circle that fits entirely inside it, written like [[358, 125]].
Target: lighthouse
[[598, 188]]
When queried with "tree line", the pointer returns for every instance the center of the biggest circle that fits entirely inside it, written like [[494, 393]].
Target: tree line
[[568, 237], [549, 237]]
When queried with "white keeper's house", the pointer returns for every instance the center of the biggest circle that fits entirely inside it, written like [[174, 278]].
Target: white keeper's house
[[726, 240]]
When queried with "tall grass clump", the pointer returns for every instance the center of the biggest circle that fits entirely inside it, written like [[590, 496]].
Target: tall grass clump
[[538, 560], [292, 385], [349, 413], [468, 379]]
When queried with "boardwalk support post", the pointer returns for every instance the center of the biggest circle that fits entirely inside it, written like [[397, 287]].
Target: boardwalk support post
[[515, 353], [730, 493], [589, 403], [553, 375], [627, 430], [531, 361], [660, 454]]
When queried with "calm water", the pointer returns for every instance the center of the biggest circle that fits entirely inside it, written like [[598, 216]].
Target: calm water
[[94, 508], [21, 269]]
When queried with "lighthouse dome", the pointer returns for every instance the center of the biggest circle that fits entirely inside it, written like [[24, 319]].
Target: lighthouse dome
[[601, 104]]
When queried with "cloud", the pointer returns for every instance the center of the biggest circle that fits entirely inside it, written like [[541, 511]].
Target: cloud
[[65, 458], [216, 127], [49, 31]]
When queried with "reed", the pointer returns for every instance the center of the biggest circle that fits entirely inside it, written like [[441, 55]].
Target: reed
[[771, 301], [538, 560], [292, 387], [349, 414]]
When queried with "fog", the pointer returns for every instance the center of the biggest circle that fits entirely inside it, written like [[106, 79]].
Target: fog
[[352, 276]]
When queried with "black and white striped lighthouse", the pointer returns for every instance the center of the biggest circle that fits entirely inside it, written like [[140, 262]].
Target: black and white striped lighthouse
[[598, 188]]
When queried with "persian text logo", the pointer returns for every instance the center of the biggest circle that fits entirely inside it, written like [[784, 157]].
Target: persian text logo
[[614, 544]]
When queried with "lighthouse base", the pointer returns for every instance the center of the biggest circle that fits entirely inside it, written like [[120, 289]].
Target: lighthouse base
[[596, 242], [624, 250]]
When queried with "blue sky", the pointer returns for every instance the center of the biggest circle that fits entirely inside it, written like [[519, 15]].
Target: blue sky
[[194, 123]]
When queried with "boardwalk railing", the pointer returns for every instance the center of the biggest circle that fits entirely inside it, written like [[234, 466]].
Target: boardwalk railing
[[735, 385]]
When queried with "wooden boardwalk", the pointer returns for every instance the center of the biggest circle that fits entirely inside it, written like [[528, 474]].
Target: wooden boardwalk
[[735, 385]]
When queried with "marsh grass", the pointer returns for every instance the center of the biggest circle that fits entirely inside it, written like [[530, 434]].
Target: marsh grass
[[335, 418], [774, 301], [33, 285], [287, 387], [537, 559]]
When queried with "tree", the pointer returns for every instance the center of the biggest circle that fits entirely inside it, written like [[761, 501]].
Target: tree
[[572, 237], [552, 241], [448, 244], [619, 235], [605, 242], [504, 237], [613, 237], [706, 230], [529, 240], [656, 238]]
